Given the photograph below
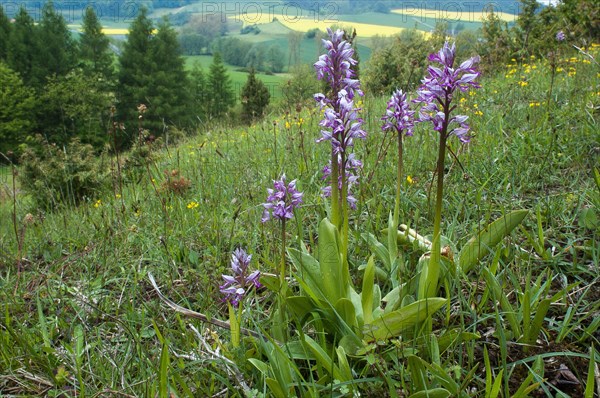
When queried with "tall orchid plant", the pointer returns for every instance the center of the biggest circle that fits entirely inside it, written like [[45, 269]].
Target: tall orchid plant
[[437, 92], [341, 125]]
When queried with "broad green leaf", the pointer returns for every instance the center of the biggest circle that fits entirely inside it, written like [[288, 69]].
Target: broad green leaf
[[344, 366], [262, 367], [379, 250], [275, 388], [334, 277], [345, 309], [357, 303], [536, 325], [432, 393], [454, 337], [300, 306], [405, 319], [323, 358], [308, 270], [483, 243], [429, 274], [418, 374], [367, 291]]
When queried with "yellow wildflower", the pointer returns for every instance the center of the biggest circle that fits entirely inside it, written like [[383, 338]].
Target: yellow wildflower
[[409, 180], [118, 195], [98, 203], [287, 125], [192, 205], [523, 84]]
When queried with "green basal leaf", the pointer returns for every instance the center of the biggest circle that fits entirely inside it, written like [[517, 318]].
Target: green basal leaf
[[345, 309], [335, 276], [483, 243], [432, 393], [308, 270], [323, 359], [300, 306], [357, 303], [262, 367], [367, 291], [535, 326], [344, 366], [405, 319], [275, 388], [379, 250]]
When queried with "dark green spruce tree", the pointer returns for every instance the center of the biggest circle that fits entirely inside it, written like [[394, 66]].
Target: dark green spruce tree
[[198, 93], [168, 92], [152, 73], [255, 98], [219, 88], [134, 72], [4, 33], [94, 51], [22, 48], [57, 48]]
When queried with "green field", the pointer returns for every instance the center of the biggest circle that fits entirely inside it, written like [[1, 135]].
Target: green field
[[273, 82]]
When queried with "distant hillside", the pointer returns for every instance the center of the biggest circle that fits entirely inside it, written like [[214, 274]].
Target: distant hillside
[[356, 6]]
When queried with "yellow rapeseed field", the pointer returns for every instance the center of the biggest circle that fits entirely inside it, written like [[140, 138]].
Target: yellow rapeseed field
[[452, 15], [304, 24]]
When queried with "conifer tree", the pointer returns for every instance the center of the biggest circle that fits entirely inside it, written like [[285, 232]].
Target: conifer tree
[[168, 91], [198, 92], [94, 50], [57, 49], [255, 98], [135, 70], [16, 110], [152, 73], [4, 33], [219, 88], [21, 48]]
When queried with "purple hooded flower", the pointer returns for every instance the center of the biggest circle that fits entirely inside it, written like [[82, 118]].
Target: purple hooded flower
[[236, 285], [560, 36], [352, 169], [398, 115], [282, 200], [438, 88]]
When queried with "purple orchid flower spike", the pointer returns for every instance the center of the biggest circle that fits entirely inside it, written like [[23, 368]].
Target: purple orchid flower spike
[[282, 200], [236, 285], [341, 124], [439, 87], [398, 115], [560, 36]]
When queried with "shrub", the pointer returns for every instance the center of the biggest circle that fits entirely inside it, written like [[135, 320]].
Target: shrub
[[175, 183], [55, 175]]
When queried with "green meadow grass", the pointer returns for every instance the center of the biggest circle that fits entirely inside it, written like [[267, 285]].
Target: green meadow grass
[[78, 312], [274, 82]]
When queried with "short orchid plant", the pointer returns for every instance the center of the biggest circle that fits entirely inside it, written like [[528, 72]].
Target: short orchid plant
[[236, 287]]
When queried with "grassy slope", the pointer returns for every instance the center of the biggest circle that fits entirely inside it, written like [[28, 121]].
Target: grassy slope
[[84, 270]]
